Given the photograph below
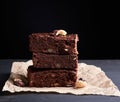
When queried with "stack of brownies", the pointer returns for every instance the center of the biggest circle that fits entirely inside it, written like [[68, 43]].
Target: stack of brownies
[[55, 59]]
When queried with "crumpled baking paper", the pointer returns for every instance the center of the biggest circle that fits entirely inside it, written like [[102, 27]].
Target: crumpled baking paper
[[97, 81]]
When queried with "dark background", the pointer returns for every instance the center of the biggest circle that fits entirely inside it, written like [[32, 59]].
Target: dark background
[[96, 22]]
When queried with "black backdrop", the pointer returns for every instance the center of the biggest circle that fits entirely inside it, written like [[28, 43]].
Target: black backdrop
[[96, 22]]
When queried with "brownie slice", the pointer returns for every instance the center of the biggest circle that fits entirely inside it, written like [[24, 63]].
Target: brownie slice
[[51, 77], [50, 43], [55, 61]]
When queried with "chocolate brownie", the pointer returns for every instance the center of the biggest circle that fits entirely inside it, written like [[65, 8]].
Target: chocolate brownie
[[50, 43], [41, 60], [51, 77]]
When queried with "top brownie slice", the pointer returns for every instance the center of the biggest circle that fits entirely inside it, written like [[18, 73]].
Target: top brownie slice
[[49, 43]]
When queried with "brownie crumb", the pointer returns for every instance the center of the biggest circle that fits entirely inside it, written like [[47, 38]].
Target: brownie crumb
[[81, 79]]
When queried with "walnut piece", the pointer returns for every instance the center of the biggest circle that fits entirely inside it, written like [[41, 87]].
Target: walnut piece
[[18, 82], [60, 32], [80, 84]]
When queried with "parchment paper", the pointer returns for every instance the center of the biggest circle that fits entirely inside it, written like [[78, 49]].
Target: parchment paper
[[97, 81]]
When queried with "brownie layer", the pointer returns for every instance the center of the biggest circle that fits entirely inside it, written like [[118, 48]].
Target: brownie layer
[[49, 43], [55, 61], [51, 77]]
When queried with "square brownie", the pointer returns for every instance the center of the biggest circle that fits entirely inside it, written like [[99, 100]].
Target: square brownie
[[51, 77], [41, 60], [50, 43]]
